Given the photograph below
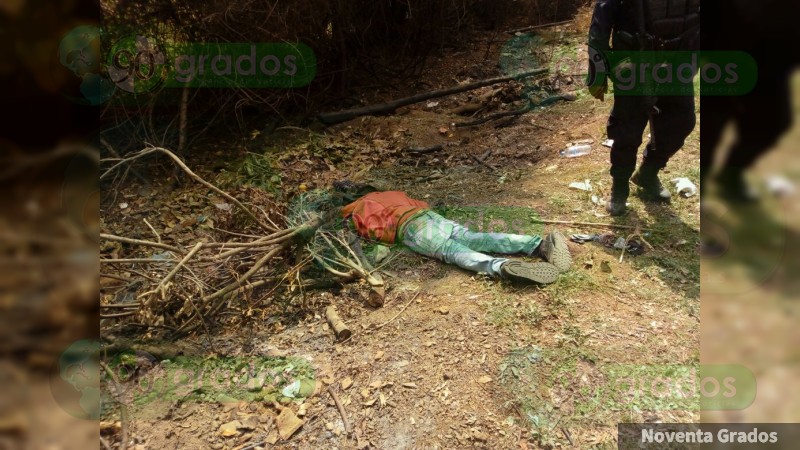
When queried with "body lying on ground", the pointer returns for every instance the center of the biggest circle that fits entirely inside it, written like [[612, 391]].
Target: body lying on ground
[[392, 217]]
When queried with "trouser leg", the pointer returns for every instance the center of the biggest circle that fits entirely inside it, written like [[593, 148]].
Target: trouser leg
[[670, 128], [626, 125], [432, 235], [504, 243]]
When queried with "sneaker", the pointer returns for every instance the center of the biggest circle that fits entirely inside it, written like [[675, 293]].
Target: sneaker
[[555, 251], [538, 272]]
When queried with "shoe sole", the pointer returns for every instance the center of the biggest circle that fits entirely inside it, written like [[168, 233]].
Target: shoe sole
[[539, 272], [559, 253]]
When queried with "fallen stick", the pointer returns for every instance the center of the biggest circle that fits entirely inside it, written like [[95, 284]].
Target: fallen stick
[[194, 176], [534, 27], [135, 260], [483, 163], [588, 224], [398, 314], [178, 266], [424, 150], [340, 329], [341, 409], [111, 237], [518, 112], [114, 316], [389, 107]]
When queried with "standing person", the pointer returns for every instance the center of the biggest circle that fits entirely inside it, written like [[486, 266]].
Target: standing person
[[393, 217], [648, 26]]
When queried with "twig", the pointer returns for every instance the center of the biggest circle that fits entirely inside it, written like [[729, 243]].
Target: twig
[[588, 224], [158, 237], [196, 177], [541, 126], [500, 115], [135, 260], [178, 266], [483, 163], [123, 412], [115, 277], [567, 435], [341, 409], [182, 120], [114, 316], [533, 27], [398, 314], [424, 150], [111, 237]]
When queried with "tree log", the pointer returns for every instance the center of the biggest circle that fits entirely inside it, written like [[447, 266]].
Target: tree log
[[339, 327]]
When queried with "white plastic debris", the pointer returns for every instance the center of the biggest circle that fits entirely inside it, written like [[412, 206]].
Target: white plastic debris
[[780, 186], [291, 390], [684, 186], [581, 185], [608, 143]]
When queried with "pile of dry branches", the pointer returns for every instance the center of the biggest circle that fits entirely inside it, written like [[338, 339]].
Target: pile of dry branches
[[182, 289]]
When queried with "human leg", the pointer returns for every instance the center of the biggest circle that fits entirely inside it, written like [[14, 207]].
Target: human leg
[[625, 126]]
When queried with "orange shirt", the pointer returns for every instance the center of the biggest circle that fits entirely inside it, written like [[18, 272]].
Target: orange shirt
[[378, 215]]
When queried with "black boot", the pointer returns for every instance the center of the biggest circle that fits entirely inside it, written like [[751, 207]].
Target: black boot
[[620, 189], [734, 188], [647, 179]]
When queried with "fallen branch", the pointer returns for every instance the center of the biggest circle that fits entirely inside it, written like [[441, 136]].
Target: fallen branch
[[424, 150], [589, 224], [135, 260], [483, 163], [500, 115], [390, 107], [534, 27], [518, 112], [194, 176], [114, 316], [111, 237], [341, 409], [166, 279]]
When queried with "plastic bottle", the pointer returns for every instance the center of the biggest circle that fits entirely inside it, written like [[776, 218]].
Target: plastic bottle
[[576, 150]]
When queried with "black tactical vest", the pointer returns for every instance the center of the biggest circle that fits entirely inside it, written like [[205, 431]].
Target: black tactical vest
[[666, 24]]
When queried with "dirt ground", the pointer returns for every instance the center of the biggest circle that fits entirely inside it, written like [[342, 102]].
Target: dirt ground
[[460, 360]]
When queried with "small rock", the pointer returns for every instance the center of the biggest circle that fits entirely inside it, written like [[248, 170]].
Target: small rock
[[379, 355], [229, 429], [217, 446], [249, 423], [287, 423], [329, 426], [479, 436], [272, 437], [484, 379], [347, 382], [444, 311]]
